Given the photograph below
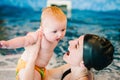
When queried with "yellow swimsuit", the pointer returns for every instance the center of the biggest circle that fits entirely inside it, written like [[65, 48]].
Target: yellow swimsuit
[[21, 64]]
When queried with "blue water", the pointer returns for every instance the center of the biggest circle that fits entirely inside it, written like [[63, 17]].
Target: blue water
[[18, 21], [97, 5]]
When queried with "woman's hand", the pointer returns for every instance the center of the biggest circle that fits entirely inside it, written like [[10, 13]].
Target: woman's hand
[[33, 50]]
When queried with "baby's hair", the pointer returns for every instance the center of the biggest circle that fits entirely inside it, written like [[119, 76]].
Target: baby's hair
[[53, 12]]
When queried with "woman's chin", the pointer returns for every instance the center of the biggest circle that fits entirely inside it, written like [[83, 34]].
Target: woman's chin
[[66, 57], [66, 54]]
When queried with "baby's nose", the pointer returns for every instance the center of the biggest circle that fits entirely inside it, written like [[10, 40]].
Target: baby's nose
[[59, 34]]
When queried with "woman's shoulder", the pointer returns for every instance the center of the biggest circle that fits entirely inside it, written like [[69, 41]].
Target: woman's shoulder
[[91, 75], [64, 67]]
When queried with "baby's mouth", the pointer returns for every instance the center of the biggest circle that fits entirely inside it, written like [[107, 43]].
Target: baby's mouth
[[58, 39]]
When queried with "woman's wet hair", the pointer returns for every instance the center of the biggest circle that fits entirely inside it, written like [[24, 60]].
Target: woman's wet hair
[[97, 52]]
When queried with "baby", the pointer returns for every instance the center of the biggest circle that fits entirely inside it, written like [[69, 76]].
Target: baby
[[52, 29]]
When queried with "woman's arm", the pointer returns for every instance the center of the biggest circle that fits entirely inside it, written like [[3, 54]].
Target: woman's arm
[[56, 73], [33, 50], [77, 73], [84, 78]]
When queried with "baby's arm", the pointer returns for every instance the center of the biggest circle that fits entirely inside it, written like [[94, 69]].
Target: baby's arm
[[18, 42]]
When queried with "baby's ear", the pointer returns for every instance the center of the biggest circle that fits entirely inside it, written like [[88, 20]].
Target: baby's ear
[[41, 28]]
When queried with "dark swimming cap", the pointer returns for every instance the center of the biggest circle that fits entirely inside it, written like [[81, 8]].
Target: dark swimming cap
[[97, 52]]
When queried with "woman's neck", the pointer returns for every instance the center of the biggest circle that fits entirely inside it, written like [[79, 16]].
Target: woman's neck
[[79, 72]]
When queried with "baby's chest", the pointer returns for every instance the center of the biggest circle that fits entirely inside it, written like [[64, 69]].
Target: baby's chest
[[45, 55]]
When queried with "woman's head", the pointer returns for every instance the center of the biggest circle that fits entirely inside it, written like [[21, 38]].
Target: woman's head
[[96, 52]]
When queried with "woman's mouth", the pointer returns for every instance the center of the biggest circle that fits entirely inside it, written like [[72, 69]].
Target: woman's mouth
[[68, 53]]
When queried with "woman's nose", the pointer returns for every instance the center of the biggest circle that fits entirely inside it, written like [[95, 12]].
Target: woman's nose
[[73, 42], [70, 42]]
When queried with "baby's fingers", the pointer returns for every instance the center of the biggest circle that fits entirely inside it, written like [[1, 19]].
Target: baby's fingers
[[2, 44]]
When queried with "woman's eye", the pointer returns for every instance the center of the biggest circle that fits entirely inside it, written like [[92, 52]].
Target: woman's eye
[[77, 45]]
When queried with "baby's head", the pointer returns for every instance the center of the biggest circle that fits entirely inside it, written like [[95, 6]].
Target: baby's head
[[53, 20], [97, 52]]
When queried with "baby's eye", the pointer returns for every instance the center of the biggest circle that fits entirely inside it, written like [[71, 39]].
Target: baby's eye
[[63, 30], [75, 46], [54, 31]]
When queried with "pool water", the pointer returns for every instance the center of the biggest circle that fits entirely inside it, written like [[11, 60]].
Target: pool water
[[17, 22]]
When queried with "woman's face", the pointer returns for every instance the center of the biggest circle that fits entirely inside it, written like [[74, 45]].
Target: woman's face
[[75, 54]]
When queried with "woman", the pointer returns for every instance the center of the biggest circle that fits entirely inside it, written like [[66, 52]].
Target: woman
[[86, 52]]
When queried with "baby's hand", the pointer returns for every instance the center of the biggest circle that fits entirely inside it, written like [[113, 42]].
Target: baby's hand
[[3, 44]]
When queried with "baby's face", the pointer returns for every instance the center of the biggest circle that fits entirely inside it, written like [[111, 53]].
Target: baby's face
[[54, 30], [75, 54]]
